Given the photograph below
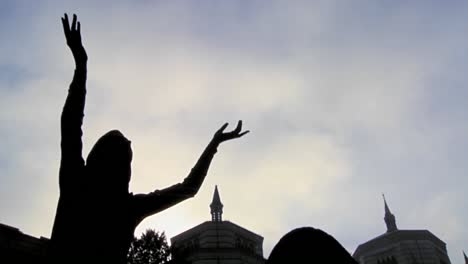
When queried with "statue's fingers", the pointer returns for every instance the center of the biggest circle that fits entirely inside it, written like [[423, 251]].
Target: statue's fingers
[[243, 133], [223, 127], [79, 28], [63, 24], [66, 25], [238, 127], [73, 26], [74, 22]]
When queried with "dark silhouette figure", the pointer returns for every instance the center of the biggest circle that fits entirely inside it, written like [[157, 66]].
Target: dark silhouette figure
[[309, 245], [96, 214]]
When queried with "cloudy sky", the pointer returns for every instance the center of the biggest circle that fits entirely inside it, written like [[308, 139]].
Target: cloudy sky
[[345, 100]]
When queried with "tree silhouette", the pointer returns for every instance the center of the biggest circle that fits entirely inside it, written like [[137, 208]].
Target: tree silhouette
[[150, 248]]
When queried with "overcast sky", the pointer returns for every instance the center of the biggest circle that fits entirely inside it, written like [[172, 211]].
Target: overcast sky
[[345, 100]]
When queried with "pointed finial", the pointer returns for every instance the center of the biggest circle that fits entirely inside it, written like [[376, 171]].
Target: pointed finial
[[389, 217], [387, 210], [216, 207]]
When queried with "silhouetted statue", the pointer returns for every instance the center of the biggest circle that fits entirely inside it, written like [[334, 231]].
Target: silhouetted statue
[[309, 245], [96, 214]]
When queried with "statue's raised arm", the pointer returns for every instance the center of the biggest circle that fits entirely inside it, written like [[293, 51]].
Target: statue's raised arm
[[73, 111], [148, 204]]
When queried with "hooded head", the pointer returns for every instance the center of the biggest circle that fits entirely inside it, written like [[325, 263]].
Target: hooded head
[[109, 162], [309, 245]]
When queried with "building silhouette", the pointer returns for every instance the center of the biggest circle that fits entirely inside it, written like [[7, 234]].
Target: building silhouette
[[223, 242], [17, 247], [217, 241], [402, 246]]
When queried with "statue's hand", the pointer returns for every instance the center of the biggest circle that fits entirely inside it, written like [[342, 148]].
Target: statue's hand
[[73, 37], [220, 136]]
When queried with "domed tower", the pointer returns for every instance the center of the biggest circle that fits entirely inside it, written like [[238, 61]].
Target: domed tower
[[398, 246], [217, 241]]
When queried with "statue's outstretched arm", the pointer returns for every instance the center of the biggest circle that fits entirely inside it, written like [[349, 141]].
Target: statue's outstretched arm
[[154, 202], [73, 110]]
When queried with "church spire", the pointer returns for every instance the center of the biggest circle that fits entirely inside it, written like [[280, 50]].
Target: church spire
[[389, 218], [216, 207]]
